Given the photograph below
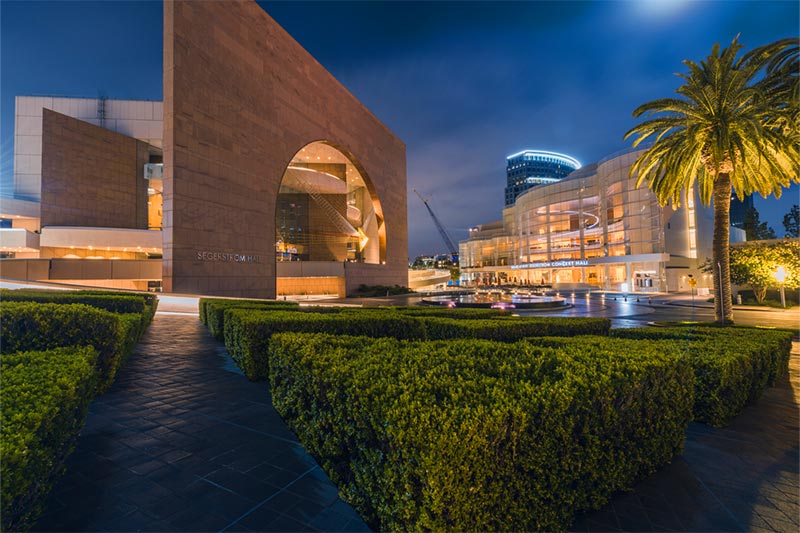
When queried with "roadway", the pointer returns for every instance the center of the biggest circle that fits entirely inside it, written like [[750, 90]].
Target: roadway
[[658, 308]]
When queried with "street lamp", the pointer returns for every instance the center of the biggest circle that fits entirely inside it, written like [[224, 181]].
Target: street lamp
[[780, 275]]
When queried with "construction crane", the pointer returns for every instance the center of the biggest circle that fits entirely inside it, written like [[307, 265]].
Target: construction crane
[[447, 240]]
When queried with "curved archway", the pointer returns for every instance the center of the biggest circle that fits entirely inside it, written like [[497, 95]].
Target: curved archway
[[327, 209]]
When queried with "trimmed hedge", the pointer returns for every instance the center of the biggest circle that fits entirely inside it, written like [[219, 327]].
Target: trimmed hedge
[[513, 329], [29, 325], [45, 396], [212, 311], [43, 326], [247, 331], [205, 303], [77, 350], [733, 365], [116, 303], [473, 435], [144, 305]]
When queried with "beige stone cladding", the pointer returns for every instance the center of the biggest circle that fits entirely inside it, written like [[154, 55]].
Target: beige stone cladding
[[241, 98], [91, 176]]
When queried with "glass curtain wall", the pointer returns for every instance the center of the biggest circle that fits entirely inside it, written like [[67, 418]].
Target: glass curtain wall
[[597, 215]]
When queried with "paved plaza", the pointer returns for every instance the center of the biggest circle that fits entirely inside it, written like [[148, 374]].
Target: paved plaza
[[184, 442]]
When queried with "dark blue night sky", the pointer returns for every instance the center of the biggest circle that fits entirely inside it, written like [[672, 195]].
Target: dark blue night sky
[[462, 84]]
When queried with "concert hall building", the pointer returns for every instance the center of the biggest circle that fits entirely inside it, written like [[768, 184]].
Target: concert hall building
[[258, 175], [593, 229]]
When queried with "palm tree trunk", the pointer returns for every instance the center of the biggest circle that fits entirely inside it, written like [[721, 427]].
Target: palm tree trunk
[[723, 305]]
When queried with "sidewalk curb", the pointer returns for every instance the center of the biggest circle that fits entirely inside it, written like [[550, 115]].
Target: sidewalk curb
[[735, 307]]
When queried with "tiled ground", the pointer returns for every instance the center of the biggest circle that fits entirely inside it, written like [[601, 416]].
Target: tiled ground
[[183, 442], [740, 478]]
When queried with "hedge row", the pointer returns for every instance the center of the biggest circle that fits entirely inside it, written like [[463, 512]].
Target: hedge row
[[512, 329], [45, 396], [55, 358], [247, 331], [116, 303], [35, 326], [474, 435], [732, 365], [212, 311]]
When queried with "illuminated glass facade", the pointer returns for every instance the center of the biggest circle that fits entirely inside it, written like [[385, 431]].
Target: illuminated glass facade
[[595, 229], [529, 168]]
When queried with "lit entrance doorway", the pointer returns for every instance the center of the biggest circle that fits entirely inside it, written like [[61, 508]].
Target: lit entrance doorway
[[327, 215]]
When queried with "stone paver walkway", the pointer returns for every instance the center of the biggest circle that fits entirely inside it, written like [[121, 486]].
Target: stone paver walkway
[[184, 442], [740, 478]]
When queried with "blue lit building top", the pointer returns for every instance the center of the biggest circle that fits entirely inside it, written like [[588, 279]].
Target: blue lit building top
[[529, 168]]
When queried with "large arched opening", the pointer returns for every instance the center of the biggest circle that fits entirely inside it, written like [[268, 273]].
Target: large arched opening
[[327, 214]]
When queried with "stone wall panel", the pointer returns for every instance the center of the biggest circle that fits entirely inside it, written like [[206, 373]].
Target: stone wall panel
[[241, 97], [91, 176]]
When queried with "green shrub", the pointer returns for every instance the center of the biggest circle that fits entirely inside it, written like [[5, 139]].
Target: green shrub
[[247, 331], [144, 305], [473, 435], [44, 396], [212, 311], [35, 326], [215, 312], [367, 291], [116, 303], [150, 303], [732, 365], [150, 298], [78, 348], [513, 329], [131, 330], [205, 303]]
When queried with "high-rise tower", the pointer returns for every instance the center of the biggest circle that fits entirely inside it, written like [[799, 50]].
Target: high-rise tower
[[529, 168]]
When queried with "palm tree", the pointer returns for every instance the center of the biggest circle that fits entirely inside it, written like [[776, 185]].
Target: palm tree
[[728, 129], [780, 87]]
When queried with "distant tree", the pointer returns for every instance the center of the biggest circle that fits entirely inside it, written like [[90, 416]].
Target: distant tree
[[729, 129], [420, 263], [755, 264], [755, 229], [791, 221], [455, 272]]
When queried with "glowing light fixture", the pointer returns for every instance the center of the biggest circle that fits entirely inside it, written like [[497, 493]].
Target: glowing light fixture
[[780, 275], [363, 239], [562, 158]]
